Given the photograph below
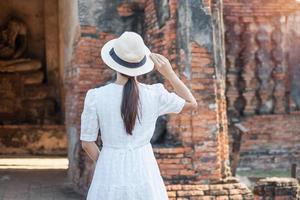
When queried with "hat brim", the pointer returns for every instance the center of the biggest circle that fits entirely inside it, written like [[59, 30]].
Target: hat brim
[[107, 59]]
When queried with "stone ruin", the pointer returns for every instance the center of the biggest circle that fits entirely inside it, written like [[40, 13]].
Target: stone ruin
[[263, 87], [238, 57], [31, 119]]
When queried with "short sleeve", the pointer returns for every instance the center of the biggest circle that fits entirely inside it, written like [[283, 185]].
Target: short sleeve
[[168, 102], [89, 119]]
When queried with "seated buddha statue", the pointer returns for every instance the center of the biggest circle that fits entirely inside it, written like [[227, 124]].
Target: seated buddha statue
[[13, 45]]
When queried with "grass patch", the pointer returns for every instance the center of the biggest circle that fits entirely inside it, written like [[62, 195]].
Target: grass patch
[[264, 173]]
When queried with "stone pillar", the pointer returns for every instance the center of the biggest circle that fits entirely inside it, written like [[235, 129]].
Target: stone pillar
[[200, 47], [200, 40], [99, 22]]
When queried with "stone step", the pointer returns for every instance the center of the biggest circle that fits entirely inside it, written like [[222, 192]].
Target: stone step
[[36, 77], [33, 140], [26, 99], [13, 84], [21, 65]]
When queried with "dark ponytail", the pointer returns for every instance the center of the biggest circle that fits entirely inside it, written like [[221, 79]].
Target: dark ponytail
[[130, 103]]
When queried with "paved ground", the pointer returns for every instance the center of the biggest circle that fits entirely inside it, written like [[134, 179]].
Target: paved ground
[[35, 179], [36, 184]]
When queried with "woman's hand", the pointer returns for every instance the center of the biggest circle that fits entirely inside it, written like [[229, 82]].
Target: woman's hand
[[91, 149], [162, 65]]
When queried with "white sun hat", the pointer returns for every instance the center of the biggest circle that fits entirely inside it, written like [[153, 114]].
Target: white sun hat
[[127, 54]]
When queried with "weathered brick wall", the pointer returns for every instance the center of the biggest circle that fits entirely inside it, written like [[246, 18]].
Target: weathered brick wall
[[271, 143], [85, 71], [175, 164], [255, 8], [191, 57], [277, 188], [261, 43], [258, 51], [160, 35], [199, 154], [230, 189]]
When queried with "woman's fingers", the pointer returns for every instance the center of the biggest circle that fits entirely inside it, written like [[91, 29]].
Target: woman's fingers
[[160, 56], [162, 59], [156, 60]]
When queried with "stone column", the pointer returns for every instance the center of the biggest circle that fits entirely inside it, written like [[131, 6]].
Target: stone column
[[200, 44], [200, 37]]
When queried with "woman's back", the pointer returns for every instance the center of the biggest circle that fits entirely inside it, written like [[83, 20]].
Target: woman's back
[[126, 166], [102, 110]]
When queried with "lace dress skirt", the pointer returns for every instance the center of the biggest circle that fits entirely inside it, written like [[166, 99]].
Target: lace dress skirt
[[127, 173]]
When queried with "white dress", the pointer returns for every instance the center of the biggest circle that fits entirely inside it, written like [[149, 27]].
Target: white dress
[[126, 168]]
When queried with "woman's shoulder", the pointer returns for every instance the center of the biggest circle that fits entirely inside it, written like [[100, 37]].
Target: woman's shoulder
[[156, 87], [94, 91], [100, 88], [153, 86]]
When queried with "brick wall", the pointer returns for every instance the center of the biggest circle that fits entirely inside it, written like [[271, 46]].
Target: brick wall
[[255, 8], [85, 71], [271, 143], [199, 154], [194, 65], [262, 90], [277, 188]]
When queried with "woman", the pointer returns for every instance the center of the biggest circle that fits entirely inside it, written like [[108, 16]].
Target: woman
[[126, 112]]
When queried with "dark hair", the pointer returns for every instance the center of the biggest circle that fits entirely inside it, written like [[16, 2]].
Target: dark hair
[[130, 103]]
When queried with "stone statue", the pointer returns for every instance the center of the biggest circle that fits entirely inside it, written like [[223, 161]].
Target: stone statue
[[13, 44]]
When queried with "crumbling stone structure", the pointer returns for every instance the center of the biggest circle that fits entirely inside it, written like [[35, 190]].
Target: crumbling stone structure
[[193, 147], [242, 70], [31, 82], [262, 48], [277, 188]]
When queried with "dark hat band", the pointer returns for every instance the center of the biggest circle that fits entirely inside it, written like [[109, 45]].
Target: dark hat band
[[124, 63]]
